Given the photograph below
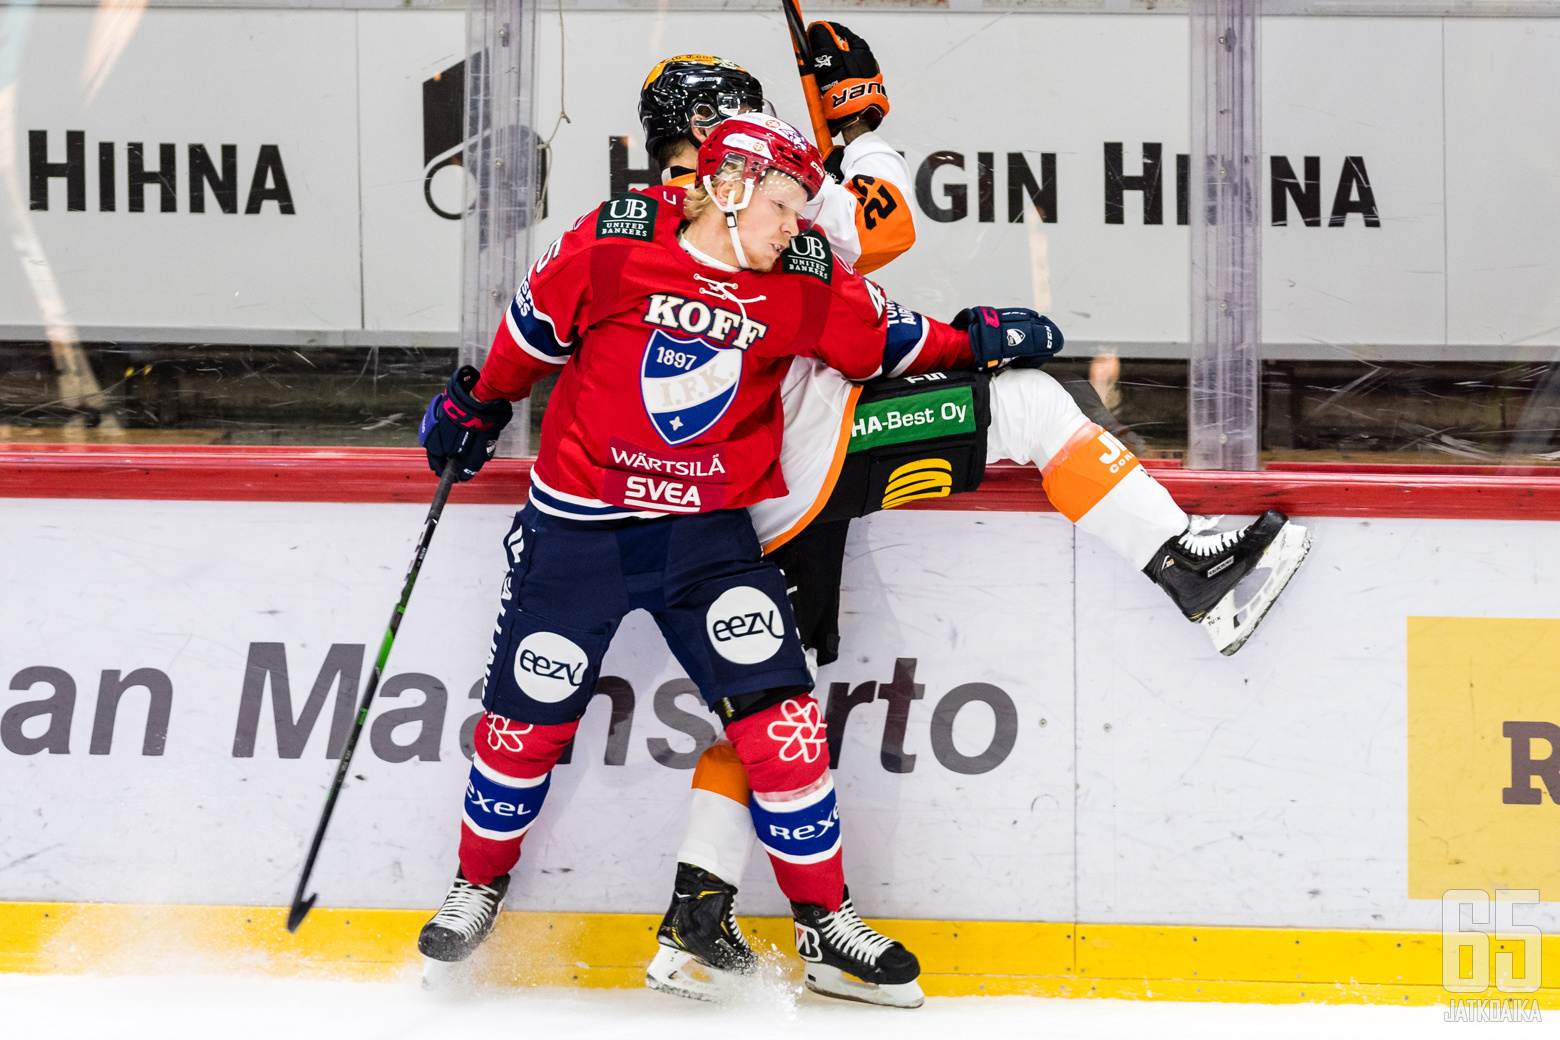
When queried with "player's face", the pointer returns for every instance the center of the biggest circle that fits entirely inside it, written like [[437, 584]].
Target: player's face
[[768, 223]]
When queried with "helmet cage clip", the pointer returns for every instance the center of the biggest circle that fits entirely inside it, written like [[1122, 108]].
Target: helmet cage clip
[[731, 209]]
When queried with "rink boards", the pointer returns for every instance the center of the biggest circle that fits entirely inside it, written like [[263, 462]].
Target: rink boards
[[1049, 780], [1073, 753]]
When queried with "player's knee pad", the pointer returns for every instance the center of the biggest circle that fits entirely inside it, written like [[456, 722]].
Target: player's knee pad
[[785, 750], [1035, 419], [510, 774], [783, 747]]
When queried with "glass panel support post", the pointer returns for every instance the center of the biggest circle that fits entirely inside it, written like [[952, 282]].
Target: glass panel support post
[[503, 175], [1226, 245]]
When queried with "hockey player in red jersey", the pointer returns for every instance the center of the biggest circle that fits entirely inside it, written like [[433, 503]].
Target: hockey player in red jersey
[[1020, 414], [674, 318]]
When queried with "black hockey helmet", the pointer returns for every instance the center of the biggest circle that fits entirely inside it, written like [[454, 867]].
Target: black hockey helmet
[[694, 90]]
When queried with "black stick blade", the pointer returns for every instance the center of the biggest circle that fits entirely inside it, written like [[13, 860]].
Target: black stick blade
[[300, 910]]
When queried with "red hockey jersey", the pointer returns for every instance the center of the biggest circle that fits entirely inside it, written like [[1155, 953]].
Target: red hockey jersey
[[668, 401]]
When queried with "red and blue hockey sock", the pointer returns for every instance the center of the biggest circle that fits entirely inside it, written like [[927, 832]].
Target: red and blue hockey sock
[[785, 749], [510, 774]]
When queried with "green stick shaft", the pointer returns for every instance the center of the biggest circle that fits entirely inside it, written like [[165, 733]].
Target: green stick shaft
[[300, 906]]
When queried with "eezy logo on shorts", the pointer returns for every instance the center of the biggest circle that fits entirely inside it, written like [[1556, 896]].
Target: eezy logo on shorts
[[745, 626], [549, 667]]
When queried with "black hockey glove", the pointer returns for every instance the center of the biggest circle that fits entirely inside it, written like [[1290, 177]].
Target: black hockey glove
[[457, 424], [835, 164], [1014, 335], [847, 75]]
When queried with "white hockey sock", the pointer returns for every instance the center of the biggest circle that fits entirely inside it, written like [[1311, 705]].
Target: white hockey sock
[[1090, 476]]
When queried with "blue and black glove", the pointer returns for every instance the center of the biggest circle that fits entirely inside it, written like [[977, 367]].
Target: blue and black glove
[[460, 426], [1014, 335]]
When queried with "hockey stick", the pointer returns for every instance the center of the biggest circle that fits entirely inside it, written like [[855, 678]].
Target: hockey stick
[[300, 906], [804, 69]]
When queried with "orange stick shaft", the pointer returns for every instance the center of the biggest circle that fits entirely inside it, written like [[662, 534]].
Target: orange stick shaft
[[804, 69]]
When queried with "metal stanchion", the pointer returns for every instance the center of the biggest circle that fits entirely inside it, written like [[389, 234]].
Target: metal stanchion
[[1226, 245], [503, 173]]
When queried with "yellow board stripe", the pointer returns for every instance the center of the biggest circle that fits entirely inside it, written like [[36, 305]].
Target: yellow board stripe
[[1139, 962]]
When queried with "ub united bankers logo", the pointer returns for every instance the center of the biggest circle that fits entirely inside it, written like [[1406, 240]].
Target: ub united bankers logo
[[809, 254], [687, 384]]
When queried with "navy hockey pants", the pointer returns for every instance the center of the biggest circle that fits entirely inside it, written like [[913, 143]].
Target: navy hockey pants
[[722, 609]]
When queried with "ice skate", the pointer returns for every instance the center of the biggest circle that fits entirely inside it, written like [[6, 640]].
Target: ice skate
[[702, 946], [1202, 570], [847, 959], [466, 918]]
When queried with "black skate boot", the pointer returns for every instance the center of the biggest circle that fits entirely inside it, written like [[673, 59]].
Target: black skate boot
[[702, 945], [845, 958], [466, 918], [1201, 569]]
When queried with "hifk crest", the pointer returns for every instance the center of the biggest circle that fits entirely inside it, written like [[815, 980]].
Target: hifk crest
[[687, 385]]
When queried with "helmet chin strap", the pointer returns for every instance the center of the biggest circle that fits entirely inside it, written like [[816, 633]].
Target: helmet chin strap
[[731, 210]]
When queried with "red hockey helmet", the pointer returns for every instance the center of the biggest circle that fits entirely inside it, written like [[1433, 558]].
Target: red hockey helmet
[[760, 143]]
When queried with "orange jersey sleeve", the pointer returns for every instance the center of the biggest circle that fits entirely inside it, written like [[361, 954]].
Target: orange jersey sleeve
[[884, 226]]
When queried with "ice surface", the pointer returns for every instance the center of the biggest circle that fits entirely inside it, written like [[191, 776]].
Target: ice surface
[[173, 1008]]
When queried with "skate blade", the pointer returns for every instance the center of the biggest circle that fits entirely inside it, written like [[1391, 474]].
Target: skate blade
[[683, 975], [1229, 624], [443, 975], [832, 982]]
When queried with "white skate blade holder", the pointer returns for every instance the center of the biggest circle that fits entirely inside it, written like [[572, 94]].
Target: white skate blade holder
[[1235, 617], [681, 974], [832, 982]]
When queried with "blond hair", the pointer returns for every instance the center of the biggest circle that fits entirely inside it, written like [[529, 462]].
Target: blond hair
[[698, 199], [695, 202]]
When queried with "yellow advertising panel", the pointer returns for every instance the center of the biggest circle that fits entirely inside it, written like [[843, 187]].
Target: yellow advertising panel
[[1483, 755]]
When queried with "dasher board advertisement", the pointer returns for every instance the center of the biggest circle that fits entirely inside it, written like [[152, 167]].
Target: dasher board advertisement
[[1027, 729]]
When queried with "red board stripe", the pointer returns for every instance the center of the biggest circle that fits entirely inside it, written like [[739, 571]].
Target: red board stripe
[[277, 474]]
